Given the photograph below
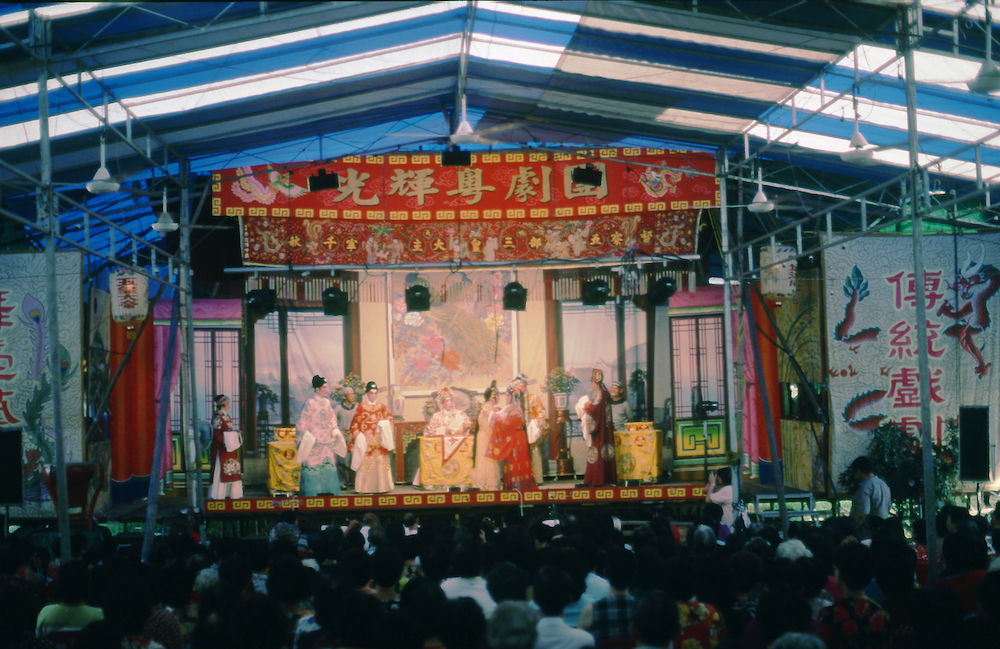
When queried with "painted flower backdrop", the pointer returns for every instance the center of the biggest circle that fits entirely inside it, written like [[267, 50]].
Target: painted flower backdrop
[[465, 338]]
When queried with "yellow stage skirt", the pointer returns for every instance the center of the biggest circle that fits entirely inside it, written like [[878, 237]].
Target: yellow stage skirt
[[637, 451], [446, 461], [282, 471]]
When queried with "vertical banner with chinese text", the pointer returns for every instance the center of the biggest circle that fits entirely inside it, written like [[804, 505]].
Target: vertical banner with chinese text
[[25, 377], [872, 335], [506, 206]]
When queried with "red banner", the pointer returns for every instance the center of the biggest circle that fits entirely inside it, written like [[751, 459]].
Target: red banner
[[506, 206]]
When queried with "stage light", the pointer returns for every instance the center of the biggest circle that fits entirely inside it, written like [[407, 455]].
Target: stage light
[[515, 296], [595, 292], [260, 302], [418, 298], [335, 301], [588, 175], [323, 181], [661, 291], [455, 157]]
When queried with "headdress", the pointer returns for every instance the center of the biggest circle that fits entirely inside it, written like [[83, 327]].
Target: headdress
[[371, 385], [318, 382], [616, 384], [219, 399], [521, 377], [442, 395], [510, 386], [596, 375]]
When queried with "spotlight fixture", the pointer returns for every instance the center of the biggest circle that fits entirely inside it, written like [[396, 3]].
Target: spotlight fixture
[[988, 78], [455, 157], [323, 181], [515, 296], [335, 301], [595, 292], [661, 291], [418, 298], [588, 175], [760, 203], [165, 222], [102, 183], [260, 302]]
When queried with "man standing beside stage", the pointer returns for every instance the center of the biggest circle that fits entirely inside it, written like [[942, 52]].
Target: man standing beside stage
[[372, 438], [621, 409], [345, 415], [536, 422]]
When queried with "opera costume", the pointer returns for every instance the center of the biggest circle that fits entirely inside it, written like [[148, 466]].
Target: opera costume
[[599, 434], [487, 474], [319, 443], [509, 444], [446, 422], [536, 423], [223, 453], [372, 438]]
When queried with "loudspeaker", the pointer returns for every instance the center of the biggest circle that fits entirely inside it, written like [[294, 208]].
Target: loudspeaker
[[587, 176], [456, 158], [974, 443], [335, 301], [515, 296], [661, 291], [11, 492], [260, 302], [595, 292], [418, 298], [323, 181]]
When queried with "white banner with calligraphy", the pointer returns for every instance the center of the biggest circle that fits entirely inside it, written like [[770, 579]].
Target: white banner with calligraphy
[[872, 335], [25, 377]]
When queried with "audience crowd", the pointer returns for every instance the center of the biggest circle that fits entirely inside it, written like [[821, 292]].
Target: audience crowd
[[568, 584]]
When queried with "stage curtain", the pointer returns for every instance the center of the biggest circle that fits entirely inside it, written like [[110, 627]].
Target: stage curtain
[[132, 410]]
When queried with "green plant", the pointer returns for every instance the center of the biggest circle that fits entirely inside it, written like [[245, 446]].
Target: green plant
[[637, 381], [266, 398], [352, 381], [898, 459], [559, 380]]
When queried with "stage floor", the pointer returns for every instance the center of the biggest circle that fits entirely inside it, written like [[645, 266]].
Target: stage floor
[[404, 497]]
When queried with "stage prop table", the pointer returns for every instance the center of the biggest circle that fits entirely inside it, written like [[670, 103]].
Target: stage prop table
[[446, 461], [283, 472], [637, 451]]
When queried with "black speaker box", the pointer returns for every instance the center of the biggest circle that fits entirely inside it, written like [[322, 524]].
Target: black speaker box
[[974, 443], [335, 301], [11, 492], [418, 298], [456, 158], [515, 297]]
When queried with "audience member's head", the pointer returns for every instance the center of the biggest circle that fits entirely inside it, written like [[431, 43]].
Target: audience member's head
[[289, 582], [792, 549], [73, 582], [678, 578], [463, 625], [552, 590], [467, 560], [506, 581], [619, 568], [748, 571], [780, 611], [513, 625], [398, 630], [656, 620], [794, 640], [854, 565], [423, 598], [387, 567], [258, 622], [962, 552]]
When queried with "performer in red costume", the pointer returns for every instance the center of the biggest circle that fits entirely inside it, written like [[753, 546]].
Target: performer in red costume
[[510, 445], [601, 462], [227, 472]]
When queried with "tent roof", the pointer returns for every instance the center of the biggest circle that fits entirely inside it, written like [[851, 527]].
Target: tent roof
[[230, 84]]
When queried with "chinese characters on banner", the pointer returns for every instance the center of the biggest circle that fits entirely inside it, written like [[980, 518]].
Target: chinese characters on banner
[[507, 206], [25, 376], [872, 338]]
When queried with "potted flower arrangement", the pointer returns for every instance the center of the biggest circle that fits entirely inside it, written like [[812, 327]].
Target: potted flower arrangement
[[560, 383]]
